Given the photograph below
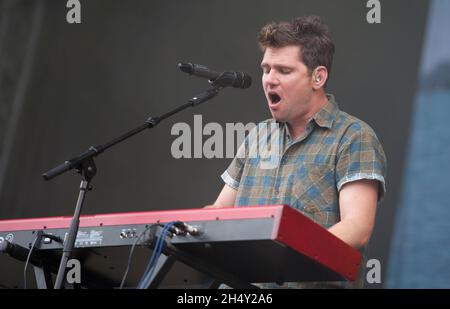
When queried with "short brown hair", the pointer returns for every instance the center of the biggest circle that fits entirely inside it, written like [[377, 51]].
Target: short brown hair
[[307, 32]]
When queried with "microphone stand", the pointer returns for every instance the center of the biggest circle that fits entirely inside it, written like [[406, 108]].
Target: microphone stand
[[84, 164]]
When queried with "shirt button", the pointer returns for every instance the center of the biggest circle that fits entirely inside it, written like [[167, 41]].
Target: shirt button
[[277, 191]]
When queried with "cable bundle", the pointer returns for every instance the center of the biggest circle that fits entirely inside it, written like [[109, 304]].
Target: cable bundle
[[145, 280]]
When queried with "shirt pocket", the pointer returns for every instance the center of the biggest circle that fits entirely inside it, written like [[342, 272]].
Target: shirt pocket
[[315, 190]]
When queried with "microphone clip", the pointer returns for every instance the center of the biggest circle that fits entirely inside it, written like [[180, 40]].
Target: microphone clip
[[206, 95]]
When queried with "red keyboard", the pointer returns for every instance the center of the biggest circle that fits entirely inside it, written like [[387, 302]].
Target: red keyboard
[[274, 243]]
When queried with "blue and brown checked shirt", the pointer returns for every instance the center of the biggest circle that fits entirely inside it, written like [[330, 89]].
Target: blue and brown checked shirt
[[336, 148]]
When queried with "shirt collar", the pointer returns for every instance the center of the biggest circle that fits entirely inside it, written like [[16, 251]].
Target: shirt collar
[[328, 113]]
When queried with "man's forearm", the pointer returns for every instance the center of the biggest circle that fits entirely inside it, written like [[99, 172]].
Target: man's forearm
[[352, 234]]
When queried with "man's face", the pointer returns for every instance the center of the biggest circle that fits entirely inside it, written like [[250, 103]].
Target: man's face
[[287, 84]]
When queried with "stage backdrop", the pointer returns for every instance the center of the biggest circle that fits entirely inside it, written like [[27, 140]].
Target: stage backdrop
[[65, 87]]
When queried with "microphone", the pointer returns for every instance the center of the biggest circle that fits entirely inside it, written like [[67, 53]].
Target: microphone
[[235, 79]]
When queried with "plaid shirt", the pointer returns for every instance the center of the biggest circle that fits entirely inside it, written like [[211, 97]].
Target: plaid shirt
[[336, 148]]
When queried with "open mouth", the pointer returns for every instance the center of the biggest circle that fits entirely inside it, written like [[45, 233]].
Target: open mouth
[[274, 97]]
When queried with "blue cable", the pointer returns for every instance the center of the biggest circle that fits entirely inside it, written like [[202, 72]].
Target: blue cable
[[156, 249], [152, 259], [155, 257], [143, 282], [152, 269]]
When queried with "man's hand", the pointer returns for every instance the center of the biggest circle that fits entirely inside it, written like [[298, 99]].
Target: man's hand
[[211, 206], [227, 198]]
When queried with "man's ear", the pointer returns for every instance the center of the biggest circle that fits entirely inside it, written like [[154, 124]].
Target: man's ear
[[319, 77]]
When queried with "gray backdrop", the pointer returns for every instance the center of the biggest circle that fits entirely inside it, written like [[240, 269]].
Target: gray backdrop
[[66, 87]]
